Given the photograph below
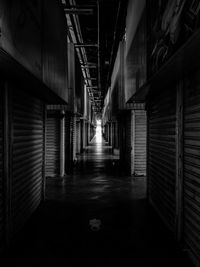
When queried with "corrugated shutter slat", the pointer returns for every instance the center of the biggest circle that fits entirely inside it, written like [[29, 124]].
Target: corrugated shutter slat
[[1, 173], [27, 157], [52, 144], [191, 184], [162, 154], [140, 142]]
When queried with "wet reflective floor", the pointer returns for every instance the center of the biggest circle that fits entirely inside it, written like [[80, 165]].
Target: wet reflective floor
[[96, 217]]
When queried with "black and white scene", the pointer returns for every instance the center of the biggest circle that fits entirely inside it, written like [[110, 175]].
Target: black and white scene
[[100, 133]]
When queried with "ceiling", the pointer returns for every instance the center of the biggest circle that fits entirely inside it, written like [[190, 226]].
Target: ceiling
[[96, 28]]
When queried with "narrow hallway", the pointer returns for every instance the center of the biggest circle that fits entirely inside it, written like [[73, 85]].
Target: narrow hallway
[[129, 196], [61, 232]]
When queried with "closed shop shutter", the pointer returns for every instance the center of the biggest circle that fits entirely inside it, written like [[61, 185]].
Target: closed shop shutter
[[110, 133], [140, 142], [162, 154], [86, 134], [116, 135], [107, 132], [128, 153], [27, 157], [73, 136], [68, 145], [82, 135], [2, 230], [125, 141], [78, 136], [191, 186], [122, 140], [52, 144]]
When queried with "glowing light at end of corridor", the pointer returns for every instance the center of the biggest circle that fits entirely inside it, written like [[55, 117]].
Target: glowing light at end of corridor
[[99, 132]]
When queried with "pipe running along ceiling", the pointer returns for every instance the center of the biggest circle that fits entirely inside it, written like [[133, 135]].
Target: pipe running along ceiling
[[95, 28]]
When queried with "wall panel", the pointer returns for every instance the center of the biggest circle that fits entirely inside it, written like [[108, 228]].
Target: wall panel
[[55, 69]]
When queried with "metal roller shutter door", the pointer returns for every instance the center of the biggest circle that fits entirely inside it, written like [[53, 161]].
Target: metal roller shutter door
[[68, 147], [27, 157], [128, 144], [1, 174], [52, 144], [78, 136], [122, 141], [86, 134], [73, 128], [191, 186], [125, 142], [162, 155], [140, 142]]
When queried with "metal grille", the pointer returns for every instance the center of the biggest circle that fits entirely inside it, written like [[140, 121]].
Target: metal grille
[[140, 142], [191, 221], [27, 157], [162, 154], [52, 144]]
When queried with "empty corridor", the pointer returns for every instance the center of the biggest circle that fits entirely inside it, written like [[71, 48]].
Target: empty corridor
[[126, 232]]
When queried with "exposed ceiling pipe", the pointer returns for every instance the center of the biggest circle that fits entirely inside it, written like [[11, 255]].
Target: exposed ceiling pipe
[[73, 39], [80, 48], [86, 45], [114, 42], [80, 6], [86, 67], [82, 11], [80, 40], [85, 71], [99, 63]]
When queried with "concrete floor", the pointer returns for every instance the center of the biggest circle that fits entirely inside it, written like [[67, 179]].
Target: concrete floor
[[60, 232]]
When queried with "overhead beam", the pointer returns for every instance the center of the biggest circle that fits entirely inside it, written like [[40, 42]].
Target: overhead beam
[[80, 6], [85, 45], [91, 79], [88, 66], [79, 11]]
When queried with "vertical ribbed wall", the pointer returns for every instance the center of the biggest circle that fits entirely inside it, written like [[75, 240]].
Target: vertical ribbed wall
[[52, 144], [125, 141], [1, 173], [78, 135], [162, 154], [74, 142], [140, 142], [27, 157], [128, 130], [191, 186], [68, 144]]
